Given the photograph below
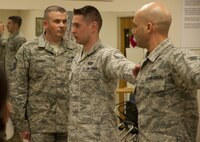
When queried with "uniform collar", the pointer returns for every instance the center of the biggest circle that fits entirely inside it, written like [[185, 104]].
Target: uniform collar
[[93, 49], [64, 45], [158, 50], [14, 34]]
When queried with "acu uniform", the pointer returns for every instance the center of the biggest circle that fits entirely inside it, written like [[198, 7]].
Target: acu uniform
[[15, 41], [94, 79], [166, 95], [3, 42], [41, 92]]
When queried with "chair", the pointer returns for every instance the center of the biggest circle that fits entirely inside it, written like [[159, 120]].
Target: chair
[[128, 127]]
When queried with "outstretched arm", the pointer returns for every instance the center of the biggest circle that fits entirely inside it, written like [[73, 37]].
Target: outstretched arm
[[136, 70]]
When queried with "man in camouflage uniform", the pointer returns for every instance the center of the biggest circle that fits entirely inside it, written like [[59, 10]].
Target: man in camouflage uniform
[[95, 73], [15, 40], [167, 83], [3, 41], [40, 81]]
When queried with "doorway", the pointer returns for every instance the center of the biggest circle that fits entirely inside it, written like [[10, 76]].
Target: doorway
[[125, 28]]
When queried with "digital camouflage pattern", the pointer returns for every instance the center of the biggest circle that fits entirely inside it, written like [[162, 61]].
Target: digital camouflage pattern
[[13, 44], [94, 79], [40, 83], [166, 95], [3, 42], [48, 137], [15, 41]]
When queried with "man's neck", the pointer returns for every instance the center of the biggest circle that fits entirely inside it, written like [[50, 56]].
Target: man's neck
[[87, 46], [14, 31], [155, 42], [51, 40]]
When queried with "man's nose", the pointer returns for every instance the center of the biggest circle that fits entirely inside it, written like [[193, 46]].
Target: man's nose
[[133, 30], [72, 30], [62, 24]]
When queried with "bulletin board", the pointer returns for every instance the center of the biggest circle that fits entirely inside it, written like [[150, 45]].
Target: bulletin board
[[190, 28]]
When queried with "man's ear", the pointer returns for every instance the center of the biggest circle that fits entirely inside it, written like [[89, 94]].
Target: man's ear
[[94, 25], [16, 26], [150, 26], [45, 24]]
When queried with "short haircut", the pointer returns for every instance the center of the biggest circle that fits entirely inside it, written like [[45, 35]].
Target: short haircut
[[53, 8], [90, 13], [16, 19]]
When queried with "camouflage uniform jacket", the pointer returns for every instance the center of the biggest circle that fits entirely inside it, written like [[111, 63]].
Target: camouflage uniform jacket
[[166, 95], [40, 91], [15, 41], [3, 42], [93, 80]]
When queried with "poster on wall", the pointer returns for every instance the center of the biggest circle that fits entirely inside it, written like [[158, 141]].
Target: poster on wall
[[190, 28], [38, 26]]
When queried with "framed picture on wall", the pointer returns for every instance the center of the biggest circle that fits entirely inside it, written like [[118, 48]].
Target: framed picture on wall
[[38, 26]]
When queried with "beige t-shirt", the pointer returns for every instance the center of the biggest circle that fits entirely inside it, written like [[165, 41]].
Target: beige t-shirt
[[55, 47]]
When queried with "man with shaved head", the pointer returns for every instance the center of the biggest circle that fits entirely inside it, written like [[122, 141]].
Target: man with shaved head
[[167, 82]]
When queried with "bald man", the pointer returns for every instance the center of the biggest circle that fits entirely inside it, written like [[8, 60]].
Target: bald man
[[167, 81]]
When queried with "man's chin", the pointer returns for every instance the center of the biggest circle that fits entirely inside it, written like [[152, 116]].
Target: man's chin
[[77, 41], [60, 35]]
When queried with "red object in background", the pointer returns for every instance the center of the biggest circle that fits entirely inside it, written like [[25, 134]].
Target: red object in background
[[132, 41]]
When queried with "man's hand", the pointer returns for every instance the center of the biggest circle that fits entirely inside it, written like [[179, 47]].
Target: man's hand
[[8, 110], [136, 70], [25, 135]]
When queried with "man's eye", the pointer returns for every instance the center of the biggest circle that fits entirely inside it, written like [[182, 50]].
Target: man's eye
[[56, 21], [64, 21], [60, 21], [75, 25]]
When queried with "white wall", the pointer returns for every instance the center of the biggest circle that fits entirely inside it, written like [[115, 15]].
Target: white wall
[[28, 28], [110, 10], [115, 5], [4, 14], [108, 32], [36, 7]]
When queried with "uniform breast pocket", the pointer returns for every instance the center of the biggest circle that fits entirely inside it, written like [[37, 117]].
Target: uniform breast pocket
[[155, 84], [63, 66], [90, 75], [38, 68]]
